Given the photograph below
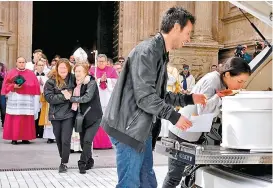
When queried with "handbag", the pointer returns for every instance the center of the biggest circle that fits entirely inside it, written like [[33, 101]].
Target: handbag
[[79, 119]]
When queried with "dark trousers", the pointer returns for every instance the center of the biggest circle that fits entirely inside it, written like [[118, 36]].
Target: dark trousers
[[86, 137], [39, 129], [62, 130], [175, 168], [3, 108]]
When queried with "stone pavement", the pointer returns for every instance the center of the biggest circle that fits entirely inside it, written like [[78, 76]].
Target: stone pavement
[[98, 177], [40, 155], [34, 166]]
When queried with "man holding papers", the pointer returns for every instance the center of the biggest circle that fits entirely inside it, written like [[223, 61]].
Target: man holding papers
[[214, 85], [140, 98]]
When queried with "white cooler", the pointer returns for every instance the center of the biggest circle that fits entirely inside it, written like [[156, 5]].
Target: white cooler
[[247, 121]]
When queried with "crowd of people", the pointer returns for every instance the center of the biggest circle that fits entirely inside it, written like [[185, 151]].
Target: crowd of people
[[127, 104], [41, 100]]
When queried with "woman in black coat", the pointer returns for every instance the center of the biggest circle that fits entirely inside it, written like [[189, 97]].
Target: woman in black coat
[[86, 97], [57, 91]]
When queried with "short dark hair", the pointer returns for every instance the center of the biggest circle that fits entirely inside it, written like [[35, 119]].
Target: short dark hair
[[185, 66], [121, 58], [213, 65], [4, 69], [21, 57], [236, 66], [176, 15], [57, 56], [110, 60], [44, 56], [38, 50]]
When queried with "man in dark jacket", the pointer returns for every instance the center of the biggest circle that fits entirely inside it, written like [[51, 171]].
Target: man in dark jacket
[[140, 97]]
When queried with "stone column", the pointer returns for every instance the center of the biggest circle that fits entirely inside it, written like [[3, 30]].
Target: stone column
[[2, 7], [130, 18], [3, 49], [146, 19], [25, 29], [203, 25]]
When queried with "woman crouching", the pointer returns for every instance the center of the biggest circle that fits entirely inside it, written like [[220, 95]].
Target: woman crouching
[[86, 95], [233, 75]]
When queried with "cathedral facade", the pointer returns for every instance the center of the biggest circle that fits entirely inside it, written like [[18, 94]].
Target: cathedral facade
[[219, 28]]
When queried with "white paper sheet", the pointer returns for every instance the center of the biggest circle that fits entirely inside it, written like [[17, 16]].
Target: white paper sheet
[[201, 123]]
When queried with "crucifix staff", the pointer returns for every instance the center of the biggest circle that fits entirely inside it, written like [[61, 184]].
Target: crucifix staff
[[96, 63]]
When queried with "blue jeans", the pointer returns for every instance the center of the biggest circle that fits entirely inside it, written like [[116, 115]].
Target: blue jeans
[[135, 170]]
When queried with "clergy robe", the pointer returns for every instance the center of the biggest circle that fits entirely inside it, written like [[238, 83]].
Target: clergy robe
[[101, 140], [22, 106], [43, 119]]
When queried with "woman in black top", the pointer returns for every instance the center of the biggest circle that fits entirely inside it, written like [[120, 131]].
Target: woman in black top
[[86, 97], [3, 72], [57, 91]]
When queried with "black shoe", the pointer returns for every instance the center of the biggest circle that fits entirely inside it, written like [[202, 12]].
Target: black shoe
[[25, 142], [50, 141], [62, 168], [13, 142], [89, 164], [82, 167]]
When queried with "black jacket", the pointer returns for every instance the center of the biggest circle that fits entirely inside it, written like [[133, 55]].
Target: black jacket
[[60, 108], [1, 82], [140, 96], [89, 97]]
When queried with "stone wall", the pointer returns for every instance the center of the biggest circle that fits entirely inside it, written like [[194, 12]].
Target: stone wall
[[141, 20], [8, 31], [15, 31], [219, 26]]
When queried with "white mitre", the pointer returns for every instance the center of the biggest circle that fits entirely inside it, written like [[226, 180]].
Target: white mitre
[[80, 56]]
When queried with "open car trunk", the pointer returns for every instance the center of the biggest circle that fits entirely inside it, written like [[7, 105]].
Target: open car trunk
[[238, 176], [261, 65]]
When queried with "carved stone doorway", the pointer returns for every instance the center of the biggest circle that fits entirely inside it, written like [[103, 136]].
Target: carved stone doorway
[[61, 27]]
